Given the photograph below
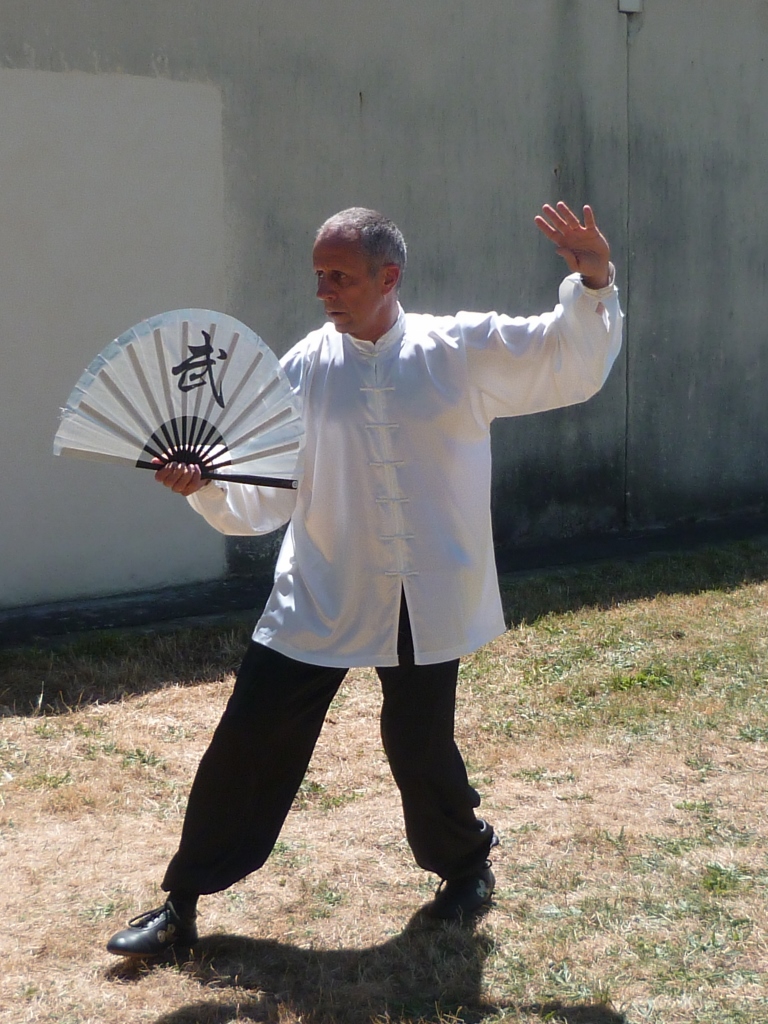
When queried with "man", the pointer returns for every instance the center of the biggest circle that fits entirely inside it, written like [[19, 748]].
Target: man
[[388, 557]]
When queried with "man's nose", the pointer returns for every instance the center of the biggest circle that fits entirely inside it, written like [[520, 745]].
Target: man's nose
[[324, 289]]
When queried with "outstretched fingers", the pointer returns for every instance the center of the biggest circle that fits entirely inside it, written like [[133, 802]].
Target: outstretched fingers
[[582, 245], [561, 220], [554, 234], [567, 215], [589, 218]]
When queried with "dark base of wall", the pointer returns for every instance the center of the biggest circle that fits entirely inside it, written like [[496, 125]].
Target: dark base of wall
[[30, 625], [634, 544]]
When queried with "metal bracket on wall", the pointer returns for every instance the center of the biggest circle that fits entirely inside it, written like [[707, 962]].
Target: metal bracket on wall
[[631, 6]]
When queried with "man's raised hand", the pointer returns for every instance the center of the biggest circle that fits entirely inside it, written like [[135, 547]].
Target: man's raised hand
[[583, 246]]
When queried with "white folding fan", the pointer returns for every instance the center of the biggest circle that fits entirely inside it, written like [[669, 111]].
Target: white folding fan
[[190, 386]]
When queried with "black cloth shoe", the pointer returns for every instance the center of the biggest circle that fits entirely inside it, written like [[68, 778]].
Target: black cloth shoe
[[460, 898], [155, 933]]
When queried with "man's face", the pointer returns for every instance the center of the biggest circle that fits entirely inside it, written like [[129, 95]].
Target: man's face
[[356, 301]]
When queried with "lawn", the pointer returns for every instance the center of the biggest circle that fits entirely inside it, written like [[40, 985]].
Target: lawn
[[618, 733]]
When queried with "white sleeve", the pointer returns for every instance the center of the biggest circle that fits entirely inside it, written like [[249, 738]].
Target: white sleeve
[[241, 509], [524, 365]]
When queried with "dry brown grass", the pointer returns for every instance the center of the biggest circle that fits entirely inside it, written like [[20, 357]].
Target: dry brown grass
[[618, 732]]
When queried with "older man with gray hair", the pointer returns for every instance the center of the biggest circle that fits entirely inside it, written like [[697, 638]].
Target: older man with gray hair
[[388, 557]]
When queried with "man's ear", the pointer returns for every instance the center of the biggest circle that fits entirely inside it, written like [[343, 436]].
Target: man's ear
[[391, 276]]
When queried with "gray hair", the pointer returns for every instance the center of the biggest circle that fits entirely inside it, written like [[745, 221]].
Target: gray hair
[[381, 241]]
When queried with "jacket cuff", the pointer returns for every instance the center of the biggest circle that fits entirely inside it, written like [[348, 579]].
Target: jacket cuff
[[603, 293], [207, 497]]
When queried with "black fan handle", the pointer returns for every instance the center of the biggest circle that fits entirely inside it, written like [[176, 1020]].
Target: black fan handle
[[234, 478], [259, 481]]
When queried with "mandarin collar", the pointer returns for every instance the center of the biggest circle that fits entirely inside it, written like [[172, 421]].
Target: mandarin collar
[[386, 341]]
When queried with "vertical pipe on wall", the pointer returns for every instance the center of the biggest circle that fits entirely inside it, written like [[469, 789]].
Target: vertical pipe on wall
[[633, 9]]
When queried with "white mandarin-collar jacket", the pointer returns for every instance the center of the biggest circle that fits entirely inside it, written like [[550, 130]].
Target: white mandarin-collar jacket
[[395, 494]]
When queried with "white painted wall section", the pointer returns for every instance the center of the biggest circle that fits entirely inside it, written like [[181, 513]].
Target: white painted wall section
[[111, 210]]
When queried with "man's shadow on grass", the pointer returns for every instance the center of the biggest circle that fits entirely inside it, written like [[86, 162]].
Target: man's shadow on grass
[[431, 972]]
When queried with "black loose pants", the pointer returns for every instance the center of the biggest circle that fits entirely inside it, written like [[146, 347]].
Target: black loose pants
[[260, 751]]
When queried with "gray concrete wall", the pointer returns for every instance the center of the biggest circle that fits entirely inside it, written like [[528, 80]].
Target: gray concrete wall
[[698, 338], [458, 119]]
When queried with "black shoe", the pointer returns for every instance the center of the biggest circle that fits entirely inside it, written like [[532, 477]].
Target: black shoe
[[460, 898], [155, 933]]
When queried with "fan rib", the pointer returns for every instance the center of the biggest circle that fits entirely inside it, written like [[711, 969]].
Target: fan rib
[[240, 385], [273, 421], [138, 369], [290, 446], [184, 355], [198, 442], [209, 433], [212, 396], [199, 390], [166, 384], [253, 404], [144, 383], [123, 400], [114, 428], [80, 453], [229, 353], [192, 434]]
